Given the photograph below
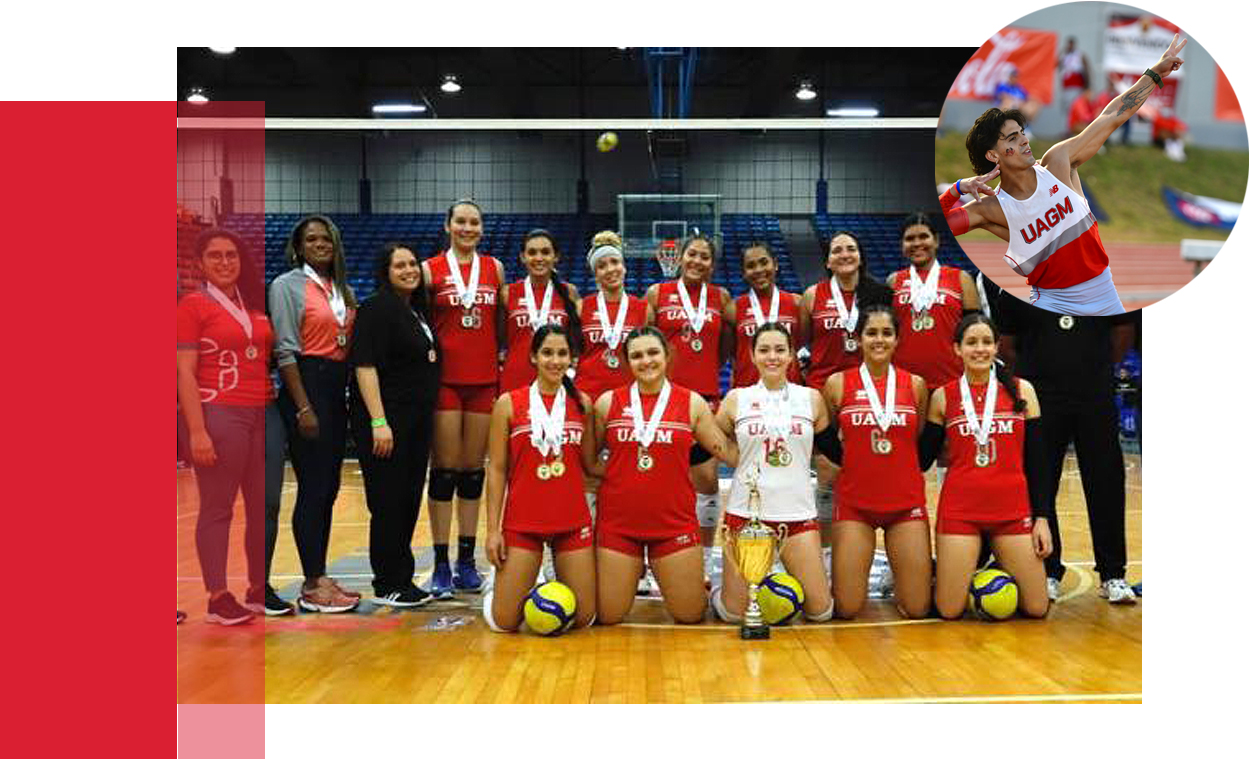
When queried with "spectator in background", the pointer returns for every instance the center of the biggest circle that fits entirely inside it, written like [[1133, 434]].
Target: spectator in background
[[1082, 112], [1074, 76], [1168, 132], [1010, 94]]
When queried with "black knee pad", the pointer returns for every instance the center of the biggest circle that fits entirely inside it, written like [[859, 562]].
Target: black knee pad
[[442, 484], [469, 484]]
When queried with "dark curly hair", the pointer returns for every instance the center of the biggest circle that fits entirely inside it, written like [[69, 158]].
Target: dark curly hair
[[984, 136]]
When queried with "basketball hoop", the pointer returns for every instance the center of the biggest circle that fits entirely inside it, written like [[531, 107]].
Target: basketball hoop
[[667, 255]]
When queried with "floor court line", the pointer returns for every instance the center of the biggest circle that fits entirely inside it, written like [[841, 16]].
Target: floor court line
[[1023, 699]]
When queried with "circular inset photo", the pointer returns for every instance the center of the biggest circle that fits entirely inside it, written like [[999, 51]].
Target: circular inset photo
[[1091, 158]]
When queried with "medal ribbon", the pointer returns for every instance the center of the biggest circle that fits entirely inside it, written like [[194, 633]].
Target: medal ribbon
[[537, 317], [773, 309], [236, 313], [466, 292], [612, 334], [338, 306], [849, 318], [775, 410], [697, 318], [980, 427], [884, 415], [645, 430], [546, 429], [924, 291]]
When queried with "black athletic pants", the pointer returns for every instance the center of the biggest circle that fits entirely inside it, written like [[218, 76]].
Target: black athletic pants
[[275, 469], [393, 489]]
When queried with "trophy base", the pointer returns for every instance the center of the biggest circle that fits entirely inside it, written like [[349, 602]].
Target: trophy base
[[754, 633]]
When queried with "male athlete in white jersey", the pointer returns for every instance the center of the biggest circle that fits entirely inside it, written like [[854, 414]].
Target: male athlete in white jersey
[[1040, 209]]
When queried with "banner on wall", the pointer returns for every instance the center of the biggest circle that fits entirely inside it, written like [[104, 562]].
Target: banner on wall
[[1132, 44], [1226, 106], [1201, 211], [1032, 52]]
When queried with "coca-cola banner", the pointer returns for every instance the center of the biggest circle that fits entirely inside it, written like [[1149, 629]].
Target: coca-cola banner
[[1032, 52]]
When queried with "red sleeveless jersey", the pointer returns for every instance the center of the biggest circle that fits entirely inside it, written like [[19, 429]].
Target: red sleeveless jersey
[[880, 471], [828, 339], [659, 502], [517, 369], [997, 491], [557, 504], [698, 370], [745, 372], [926, 348], [594, 375], [469, 353]]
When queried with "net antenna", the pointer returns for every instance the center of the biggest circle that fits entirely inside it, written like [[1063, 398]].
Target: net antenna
[[666, 254]]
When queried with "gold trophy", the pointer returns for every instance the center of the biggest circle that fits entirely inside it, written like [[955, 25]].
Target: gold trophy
[[752, 548]]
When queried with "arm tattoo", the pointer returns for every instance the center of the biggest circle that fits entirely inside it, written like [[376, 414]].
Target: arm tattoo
[[1132, 100]]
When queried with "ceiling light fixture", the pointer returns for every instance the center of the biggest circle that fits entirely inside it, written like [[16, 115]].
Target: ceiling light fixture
[[450, 85], [805, 91], [859, 112], [197, 95], [390, 109], [223, 50]]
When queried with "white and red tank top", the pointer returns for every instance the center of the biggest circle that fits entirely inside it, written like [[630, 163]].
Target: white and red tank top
[[992, 488], [602, 368], [658, 502], [517, 369], [699, 369], [880, 470], [829, 349], [467, 337], [745, 374], [556, 504], [1054, 238], [784, 484], [926, 339]]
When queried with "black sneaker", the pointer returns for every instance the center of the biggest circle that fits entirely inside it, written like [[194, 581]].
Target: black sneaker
[[270, 604], [408, 598], [224, 610]]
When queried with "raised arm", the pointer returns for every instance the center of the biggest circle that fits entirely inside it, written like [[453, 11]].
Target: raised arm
[[981, 213], [1066, 156]]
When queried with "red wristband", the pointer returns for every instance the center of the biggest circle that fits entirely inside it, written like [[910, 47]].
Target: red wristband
[[958, 220], [950, 198]]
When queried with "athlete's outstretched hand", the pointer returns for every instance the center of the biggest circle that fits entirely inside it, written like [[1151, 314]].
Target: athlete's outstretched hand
[[978, 186], [1170, 60], [495, 550]]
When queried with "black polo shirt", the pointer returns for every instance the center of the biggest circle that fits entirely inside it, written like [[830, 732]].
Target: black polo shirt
[[388, 336]]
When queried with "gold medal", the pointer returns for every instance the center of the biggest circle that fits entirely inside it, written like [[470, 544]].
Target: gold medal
[[611, 359], [466, 321], [544, 472], [645, 462], [341, 339], [557, 468], [1066, 322], [433, 355], [983, 457], [696, 345], [850, 344], [881, 444], [251, 352], [784, 457]]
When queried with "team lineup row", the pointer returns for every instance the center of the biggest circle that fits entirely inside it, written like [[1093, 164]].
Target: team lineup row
[[429, 339]]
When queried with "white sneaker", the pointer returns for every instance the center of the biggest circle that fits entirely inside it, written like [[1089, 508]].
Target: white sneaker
[[1117, 591], [1052, 589]]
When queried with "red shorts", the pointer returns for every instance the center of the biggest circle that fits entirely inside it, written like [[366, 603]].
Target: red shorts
[[581, 537], [882, 519], [656, 548], [473, 399], [735, 523], [989, 528]]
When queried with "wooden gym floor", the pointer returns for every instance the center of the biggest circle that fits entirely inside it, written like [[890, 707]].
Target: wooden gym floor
[[1086, 651]]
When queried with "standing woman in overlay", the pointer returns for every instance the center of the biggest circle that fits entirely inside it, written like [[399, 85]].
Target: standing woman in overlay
[[537, 299], [393, 391], [224, 344], [646, 501], [990, 422], [763, 302], [775, 423], [880, 410], [696, 319], [541, 440], [313, 310], [606, 318], [929, 299], [465, 288], [832, 322]]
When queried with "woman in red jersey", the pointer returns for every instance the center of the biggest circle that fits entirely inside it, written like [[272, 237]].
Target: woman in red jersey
[[607, 317], [224, 345], [540, 298], [540, 442], [879, 409], [763, 302], [465, 288], [646, 502], [990, 422], [695, 318], [831, 322], [775, 423], [930, 299]]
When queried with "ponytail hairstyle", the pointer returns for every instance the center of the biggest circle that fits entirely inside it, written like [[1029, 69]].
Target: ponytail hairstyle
[[451, 210], [876, 308], [295, 253], [772, 327], [762, 245], [540, 335], [711, 244], [574, 334], [418, 301], [1005, 378], [645, 331]]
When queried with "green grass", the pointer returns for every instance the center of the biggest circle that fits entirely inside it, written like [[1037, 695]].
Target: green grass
[[1127, 182]]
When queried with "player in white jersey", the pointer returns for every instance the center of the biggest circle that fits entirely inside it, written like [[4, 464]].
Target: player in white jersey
[[1041, 211], [775, 423]]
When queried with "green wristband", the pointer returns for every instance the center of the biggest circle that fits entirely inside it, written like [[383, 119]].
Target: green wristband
[[379, 422], [1151, 73]]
